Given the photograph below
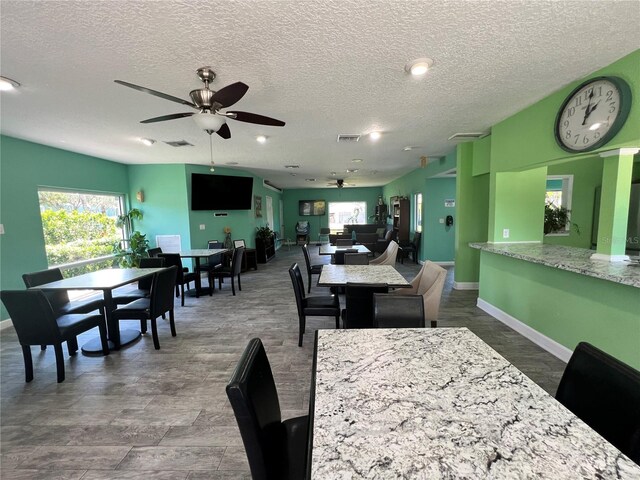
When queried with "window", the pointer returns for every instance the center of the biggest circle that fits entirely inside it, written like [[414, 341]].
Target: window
[[79, 229], [417, 219], [558, 195], [346, 213]]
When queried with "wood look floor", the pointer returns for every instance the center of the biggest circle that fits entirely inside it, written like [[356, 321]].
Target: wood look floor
[[146, 414]]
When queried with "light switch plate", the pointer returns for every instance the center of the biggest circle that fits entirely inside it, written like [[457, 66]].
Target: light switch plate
[[441, 220], [202, 226], [1, 229], [505, 233]]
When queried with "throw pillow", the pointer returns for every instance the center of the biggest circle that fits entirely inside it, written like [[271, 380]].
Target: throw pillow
[[380, 232]]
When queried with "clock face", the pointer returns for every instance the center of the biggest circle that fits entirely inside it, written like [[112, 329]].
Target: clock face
[[592, 114]]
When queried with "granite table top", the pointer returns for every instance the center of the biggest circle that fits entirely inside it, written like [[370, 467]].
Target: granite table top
[[441, 403], [105, 279], [572, 259], [202, 252], [327, 249], [340, 275]]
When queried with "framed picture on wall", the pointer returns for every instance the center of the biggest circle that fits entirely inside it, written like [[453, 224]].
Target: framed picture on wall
[[257, 203], [311, 207]]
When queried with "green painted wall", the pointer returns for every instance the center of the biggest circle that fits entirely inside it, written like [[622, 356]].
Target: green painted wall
[[482, 156], [565, 306], [243, 223], [472, 206], [437, 243], [587, 175], [291, 197], [526, 139], [517, 203], [165, 206], [25, 166]]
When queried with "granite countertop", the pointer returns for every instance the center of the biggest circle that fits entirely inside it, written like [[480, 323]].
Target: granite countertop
[[441, 403], [339, 275], [572, 259]]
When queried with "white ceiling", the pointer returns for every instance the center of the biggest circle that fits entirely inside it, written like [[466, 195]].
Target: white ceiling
[[325, 67]]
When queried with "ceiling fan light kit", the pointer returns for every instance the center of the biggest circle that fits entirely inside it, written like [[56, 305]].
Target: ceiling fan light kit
[[7, 84], [209, 103]]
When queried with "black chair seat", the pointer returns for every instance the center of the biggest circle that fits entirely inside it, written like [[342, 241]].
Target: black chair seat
[[77, 323], [322, 305], [83, 305], [129, 296], [140, 306]]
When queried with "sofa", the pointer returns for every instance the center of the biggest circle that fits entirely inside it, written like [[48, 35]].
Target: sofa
[[370, 235]]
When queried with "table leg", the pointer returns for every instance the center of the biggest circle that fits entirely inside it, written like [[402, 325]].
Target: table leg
[[117, 337], [198, 279]]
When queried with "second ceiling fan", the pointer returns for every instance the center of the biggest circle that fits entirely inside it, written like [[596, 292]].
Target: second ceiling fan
[[209, 103]]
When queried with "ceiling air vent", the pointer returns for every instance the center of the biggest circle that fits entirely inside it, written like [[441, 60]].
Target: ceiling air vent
[[348, 138], [467, 136], [179, 143]]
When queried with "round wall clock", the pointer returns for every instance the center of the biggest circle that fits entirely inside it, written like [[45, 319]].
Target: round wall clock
[[592, 114]]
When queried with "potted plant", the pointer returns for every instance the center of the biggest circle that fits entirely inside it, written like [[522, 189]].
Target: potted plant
[[556, 219], [264, 233], [131, 250]]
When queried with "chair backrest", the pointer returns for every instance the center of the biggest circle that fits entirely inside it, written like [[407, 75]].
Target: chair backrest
[[416, 240], [151, 262], [215, 244], [57, 298], [604, 393], [173, 259], [161, 297], [356, 259], [430, 284], [239, 243], [338, 256], [254, 399], [359, 304], [298, 286], [307, 260], [325, 231], [236, 261], [344, 242], [388, 257], [398, 311], [32, 316], [303, 228], [153, 252]]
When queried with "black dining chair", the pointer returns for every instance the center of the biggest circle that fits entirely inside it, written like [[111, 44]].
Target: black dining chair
[[358, 312], [605, 394], [232, 271], [338, 256], [276, 449], [36, 323], [214, 262], [344, 242], [144, 284], [318, 306], [398, 311], [410, 248], [182, 278], [153, 252], [311, 269], [159, 302], [356, 259]]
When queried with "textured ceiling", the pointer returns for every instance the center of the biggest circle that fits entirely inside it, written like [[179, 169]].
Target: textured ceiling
[[325, 67]]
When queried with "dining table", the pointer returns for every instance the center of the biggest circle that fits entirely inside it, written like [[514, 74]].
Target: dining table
[[105, 280], [441, 403], [340, 275], [196, 254], [328, 249]]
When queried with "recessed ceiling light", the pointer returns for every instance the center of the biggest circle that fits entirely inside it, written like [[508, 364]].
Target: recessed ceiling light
[[357, 160], [292, 166], [231, 163], [352, 170], [333, 173], [374, 135], [310, 179], [147, 141], [261, 138], [293, 174], [7, 84], [419, 66]]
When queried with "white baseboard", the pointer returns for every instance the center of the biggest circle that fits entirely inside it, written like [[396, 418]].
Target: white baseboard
[[4, 324], [466, 285], [550, 345], [445, 264]]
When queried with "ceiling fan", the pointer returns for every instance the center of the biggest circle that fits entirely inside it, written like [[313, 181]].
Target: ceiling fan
[[340, 183], [209, 102]]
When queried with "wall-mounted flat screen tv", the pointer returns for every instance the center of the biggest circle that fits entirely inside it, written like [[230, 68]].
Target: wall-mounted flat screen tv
[[221, 192], [312, 207]]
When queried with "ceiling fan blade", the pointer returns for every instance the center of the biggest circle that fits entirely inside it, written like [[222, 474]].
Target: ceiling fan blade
[[230, 94], [224, 131], [173, 116], [156, 93], [255, 118]]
